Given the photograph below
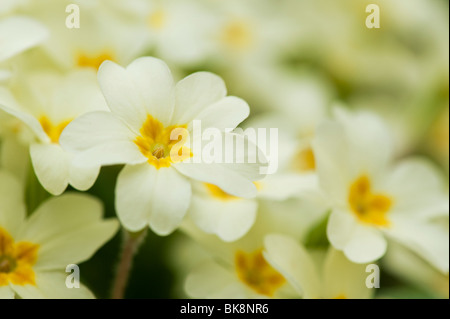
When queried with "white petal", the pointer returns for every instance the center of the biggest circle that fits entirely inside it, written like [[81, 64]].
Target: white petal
[[6, 293], [284, 186], [100, 138], [222, 175], [294, 263], [82, 178], [14, 157], [59, 215], [52, 285], [51, 165], [370, 145], [366, 245], [207, 280], [29, 120], [154, 83], [12, 207], [417, 189], [110, 154], [340, 228], [75, 246], [230, 220], [122, 95], [430, 241], [94, 129], [194, 93], [344, 278], [234, 175], [332, 160], [18, 34], [147, 196], [76, 94], [227, 113], [68, 229]]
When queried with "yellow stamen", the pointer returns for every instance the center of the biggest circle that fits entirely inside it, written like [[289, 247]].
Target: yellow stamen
[[237, 35], [53, 131], [305, 160], [16, 261], [85, 60], [156, 144], [370, 208], [253, 270]]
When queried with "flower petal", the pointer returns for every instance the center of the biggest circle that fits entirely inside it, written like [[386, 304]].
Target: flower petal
[[332, 161], [227, 113], [29, 120], [195, 93], [344, 278], [154, 83], [68, 229], [82, 178], [233, 175], [207, 281], [12, 207], [52, 285], [51, 165], [283, 186], [230, 220], [430, 241], [6, 292], [417, 189], [147, 196], [340, 228], [122, 95], [18, 34], [294, 263], [366, 245]]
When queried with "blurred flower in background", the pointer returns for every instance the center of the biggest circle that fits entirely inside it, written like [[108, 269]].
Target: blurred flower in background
[[311, 69]]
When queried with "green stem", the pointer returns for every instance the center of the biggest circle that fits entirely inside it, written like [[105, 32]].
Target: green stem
[[132, 242]]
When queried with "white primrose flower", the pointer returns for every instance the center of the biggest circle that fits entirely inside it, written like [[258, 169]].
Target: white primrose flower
[[148, 116], [372, 199], [35, 251], [101, 35], [281, 268], [54, 103]]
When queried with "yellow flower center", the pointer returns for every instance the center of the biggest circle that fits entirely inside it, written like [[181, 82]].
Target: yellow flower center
[[16, 261], [85, 60], [237, 35], [53, 131], [157, 19], [341, 296], [163, 145], [370, 208], [253, 270], [305, 160]]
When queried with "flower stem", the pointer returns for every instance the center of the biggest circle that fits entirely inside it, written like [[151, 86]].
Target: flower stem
[[131, 244]]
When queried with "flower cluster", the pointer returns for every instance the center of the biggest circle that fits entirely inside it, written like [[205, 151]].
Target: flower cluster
[[278, 149]]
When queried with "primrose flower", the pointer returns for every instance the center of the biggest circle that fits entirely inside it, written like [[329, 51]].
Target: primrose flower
[[372, 199], [148, 116], [56, 102], [281, 268], [101, 35], [35, 251]]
